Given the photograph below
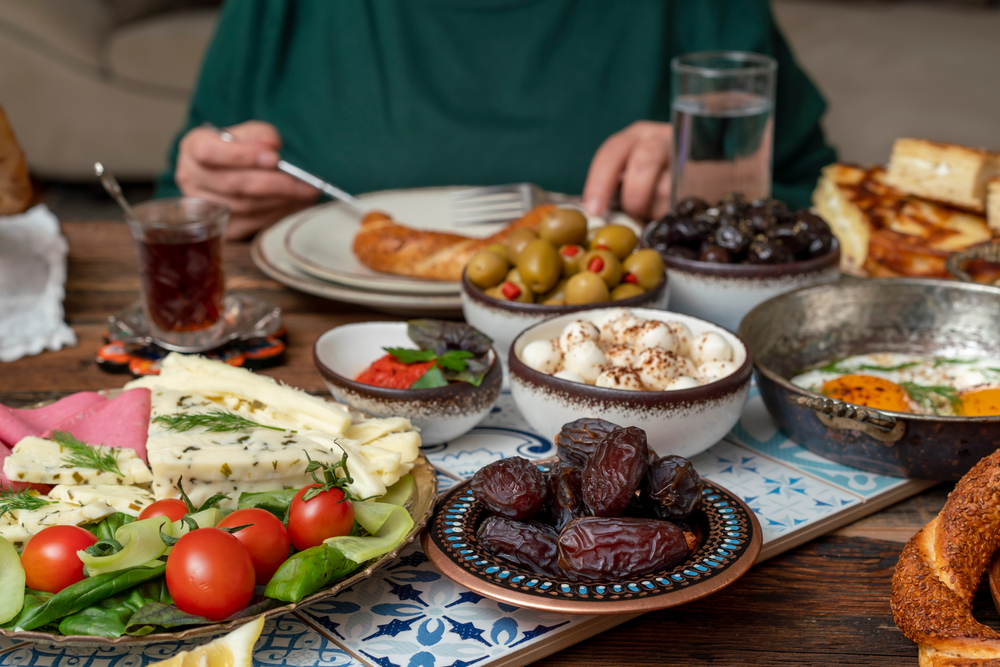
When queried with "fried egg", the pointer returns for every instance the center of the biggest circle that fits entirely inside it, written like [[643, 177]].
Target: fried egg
[[960, 386]]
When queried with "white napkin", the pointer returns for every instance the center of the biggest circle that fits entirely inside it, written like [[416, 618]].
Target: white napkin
[[32, 285]]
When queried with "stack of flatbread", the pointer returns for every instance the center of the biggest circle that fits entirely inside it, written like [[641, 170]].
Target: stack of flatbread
[[932, 200]]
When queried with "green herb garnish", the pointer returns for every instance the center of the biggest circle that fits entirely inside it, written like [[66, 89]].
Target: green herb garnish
[[835, 367], [941, 361], [330, 478], [214, 421], [24, 499], [456, 361], [933, 397], [87, 456]]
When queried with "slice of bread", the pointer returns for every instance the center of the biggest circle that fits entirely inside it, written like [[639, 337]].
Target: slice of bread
[[993, 204], [946, 173]]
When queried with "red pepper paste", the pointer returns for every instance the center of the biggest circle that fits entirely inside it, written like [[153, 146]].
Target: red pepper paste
[[391, 373]]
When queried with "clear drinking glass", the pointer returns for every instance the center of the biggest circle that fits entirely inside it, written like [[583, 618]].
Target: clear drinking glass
[[179, 246], [722, 110]]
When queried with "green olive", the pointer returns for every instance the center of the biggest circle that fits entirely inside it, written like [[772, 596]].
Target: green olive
[[486, 269], [617, 238], [647, 266], [499, 249], [494, 293], [564, 226], [539, 266], [586, 287], [516, 242], [604, 264], [626, 291], [571, 256], [514, 276], [515, 291], [555, 296]]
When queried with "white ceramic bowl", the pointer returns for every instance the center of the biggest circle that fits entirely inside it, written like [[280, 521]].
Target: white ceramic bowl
[[504, 320], [683, 422], [441, 413], [725, 293]]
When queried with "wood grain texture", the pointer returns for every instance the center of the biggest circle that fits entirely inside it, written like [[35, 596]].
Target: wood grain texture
[[823, 603]]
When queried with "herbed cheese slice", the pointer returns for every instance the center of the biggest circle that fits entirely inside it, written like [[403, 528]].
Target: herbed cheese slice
[[12, 531], [40, 461], [61, 514], [127, 499]]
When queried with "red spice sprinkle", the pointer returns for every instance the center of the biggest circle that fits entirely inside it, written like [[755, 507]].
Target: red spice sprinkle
[[510, 290], [596, 265], [570, 251], [629, 278]]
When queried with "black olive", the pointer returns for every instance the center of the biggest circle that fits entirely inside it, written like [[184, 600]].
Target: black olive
[[681, 251], [714, 254], [765, 251], [812, 222], [733, 239], [733, 203], [790, 236], [690, 207], [761, 219], [690, 232], [818, 245]]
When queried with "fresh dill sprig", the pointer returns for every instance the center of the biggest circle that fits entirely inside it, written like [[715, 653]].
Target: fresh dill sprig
[[932, 397], [941, 361], [87, 456], [214, 421], [25, 499], [835, 367]]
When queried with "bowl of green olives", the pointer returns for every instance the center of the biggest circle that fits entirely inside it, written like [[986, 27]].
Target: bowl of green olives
[[726, 258], [562, 267]]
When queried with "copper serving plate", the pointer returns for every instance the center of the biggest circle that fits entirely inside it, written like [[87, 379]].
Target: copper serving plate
[[420, 506], [729, 541]]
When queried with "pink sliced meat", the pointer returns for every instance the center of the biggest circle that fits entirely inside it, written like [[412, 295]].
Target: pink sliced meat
[[121, 422], [17, 424]]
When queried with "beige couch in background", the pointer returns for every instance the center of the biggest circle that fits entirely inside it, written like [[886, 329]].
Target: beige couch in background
[[98, 80]]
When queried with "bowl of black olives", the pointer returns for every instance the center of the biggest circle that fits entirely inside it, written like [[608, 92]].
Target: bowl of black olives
[[724, 259], [563, 266]]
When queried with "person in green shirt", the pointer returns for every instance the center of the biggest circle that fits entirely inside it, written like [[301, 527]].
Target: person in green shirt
[[573, 95]]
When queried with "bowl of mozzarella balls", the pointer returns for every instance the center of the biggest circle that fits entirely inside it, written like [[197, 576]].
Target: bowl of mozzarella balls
[[680, 378]]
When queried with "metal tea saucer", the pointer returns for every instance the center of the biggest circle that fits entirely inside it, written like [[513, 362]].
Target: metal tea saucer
[[245, 317]]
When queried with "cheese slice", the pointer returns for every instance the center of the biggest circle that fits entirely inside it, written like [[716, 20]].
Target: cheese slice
[[12, 531], [41, 461], [61, 514], [364, 431], [130, 500]]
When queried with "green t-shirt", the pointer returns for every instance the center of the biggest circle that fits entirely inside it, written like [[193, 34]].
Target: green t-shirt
[[379, 94]]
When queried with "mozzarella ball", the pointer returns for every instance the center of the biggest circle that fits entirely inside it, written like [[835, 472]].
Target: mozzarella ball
[[656, 367], [609, 315], [620, 355], [619, 378], [570, 376], [682, 382], [586, 360], [683, 336], [651, 334], [616, 330], [710, 371], [542, 355], [576, 332], [710, 346]]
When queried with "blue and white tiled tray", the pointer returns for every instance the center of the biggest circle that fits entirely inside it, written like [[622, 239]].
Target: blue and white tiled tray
[[409, 615]]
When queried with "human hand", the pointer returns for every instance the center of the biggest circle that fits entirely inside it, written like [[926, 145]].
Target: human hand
[[637, 159], [242, 174]]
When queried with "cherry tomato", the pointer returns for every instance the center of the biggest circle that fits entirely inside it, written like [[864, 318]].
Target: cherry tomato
[[326, 515], [210, 574], [172, 508], [49, 558], [266, 540]]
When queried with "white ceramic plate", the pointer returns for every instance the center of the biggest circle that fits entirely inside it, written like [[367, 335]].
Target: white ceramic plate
[[319, 240], [268, 253]]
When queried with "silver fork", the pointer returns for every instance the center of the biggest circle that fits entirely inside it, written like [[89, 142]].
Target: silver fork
[[500, 203]]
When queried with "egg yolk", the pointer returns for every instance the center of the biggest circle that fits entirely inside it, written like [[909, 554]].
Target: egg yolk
[[981, 403], [869, 391]]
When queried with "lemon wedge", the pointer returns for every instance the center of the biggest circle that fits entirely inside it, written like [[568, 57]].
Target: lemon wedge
[[232, 650]]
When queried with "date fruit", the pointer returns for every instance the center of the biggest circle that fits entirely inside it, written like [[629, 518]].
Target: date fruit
[[614, 471], [530, 544], [597, 548], [512, 487], [565, 501], [673, 487], [578, 439]]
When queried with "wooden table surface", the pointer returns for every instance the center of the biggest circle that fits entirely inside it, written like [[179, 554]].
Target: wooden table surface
[[824, 603]]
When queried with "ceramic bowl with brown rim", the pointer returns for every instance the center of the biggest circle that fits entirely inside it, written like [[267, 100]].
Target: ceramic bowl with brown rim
[[441, 413], [504, 320], [724, 293], [683, 422]]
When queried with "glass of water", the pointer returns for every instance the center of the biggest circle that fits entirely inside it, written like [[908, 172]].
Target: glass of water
[[722, 110]]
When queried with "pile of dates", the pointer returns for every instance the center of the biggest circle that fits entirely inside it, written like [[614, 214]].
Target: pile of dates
[[736, 231], [609, 509]]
